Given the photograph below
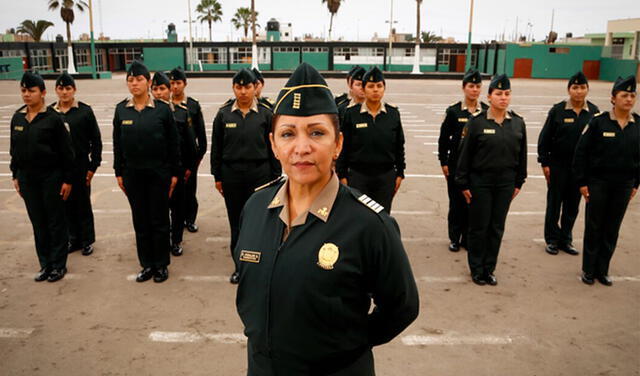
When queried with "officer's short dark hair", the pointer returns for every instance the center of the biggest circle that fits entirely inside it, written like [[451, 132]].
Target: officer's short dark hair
[[334, 121]]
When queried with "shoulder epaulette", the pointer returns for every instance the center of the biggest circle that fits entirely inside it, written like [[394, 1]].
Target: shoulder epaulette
[[392, 105], [53, 107], [21, 108], [228, 102], [353, 104], [484, 106], [193, 99], [271, 183], [601, 113], [478, 113], [180, 105], [83, 104], [370, 203], [268, 107], [455, 103], [512, 112]]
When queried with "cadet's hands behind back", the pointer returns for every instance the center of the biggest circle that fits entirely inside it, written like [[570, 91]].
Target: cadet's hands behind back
[[121, 184], [16, 185], [174, 181], [65, 191], [467, 195], [547, 173], [219, 187], [633, 193], [585, 193], [89, 177], [398, 182], [445, 171]]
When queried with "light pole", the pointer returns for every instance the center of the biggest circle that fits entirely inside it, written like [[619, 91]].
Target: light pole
[[254, 44], [190, 36], [416, 62], [93, 43], [391, 22], [468, 65]]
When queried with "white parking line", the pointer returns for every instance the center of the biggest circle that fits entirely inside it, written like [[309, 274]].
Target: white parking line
[[15, 333], [448, 340], [189, 337]]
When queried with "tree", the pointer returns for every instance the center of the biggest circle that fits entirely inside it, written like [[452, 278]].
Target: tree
[[35, 29], [66, 12], [333, 6], [429, 37], [210, 11], [242, 19], [418, 3]]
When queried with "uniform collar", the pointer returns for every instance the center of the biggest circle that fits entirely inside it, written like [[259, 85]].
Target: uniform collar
[[612, 115], [254, 106], [75, 104], [568, 105], [491, 117], [321, 206], [364, 108], [463, 106], [150, 102], [43, 109]]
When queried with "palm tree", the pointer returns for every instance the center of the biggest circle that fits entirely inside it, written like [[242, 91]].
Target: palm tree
[[418, 3], [242, 19], [66, 12], [210, 11], [35, 29], [429, 37], [333, 6]]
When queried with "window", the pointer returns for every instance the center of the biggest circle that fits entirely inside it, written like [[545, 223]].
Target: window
[[315, 49], [12, 53], [83, 57], [61, 56], [240, 55], [345, 51], [212, 55], [286, 49], [41, 59], [130, 54]]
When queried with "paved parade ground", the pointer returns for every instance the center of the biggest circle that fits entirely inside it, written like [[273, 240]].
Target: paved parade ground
[[539, 320]]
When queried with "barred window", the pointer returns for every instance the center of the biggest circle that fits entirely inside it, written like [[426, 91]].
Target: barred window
[[83, 57], [41, 59], [12, 53], [240, 55], [212, 55], [286, 49], [315, 49]]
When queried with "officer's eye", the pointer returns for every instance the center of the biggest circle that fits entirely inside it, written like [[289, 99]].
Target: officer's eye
[[317, 133], [286, 134]]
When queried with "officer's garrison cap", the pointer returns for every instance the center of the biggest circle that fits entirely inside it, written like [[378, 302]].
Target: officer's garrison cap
[[305, 94], [624, 84], [258, 74], [472, 76], [374, 74], [31, 79], [65, 79], [138, 69], [244, 77], [578, 79], [357, 74], [160, 78], [500, 82], [177, 74]]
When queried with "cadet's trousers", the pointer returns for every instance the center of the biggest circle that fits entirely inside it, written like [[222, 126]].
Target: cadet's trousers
[[604, 213], [563, 194], [239, 181], [458, 218], [79, 213], [178, 210], [190, 199], [40, 190], [487, 215], [380, 187], [148, 195]]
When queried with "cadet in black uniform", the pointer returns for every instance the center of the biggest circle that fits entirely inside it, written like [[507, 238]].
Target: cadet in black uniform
[[178, 84], [457, 116], [312, 253], [556, 145], [147, 166], [492, 166], [607, 167], [259, 86], [344, 97], [355, 89], [42, 170], [87, 145], [241, 155], [372, 158]]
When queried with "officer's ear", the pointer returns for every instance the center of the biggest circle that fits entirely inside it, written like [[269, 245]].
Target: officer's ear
[[339, 143]]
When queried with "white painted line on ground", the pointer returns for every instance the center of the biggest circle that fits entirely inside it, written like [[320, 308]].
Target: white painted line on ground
[[190, 337], [447, 340], [431, 279], [526, 213], [7, 190], [110, 211], [407, 212], [15, 333], [423, 136], [430, 143], [424, 130], [541, 240], [216, 239]]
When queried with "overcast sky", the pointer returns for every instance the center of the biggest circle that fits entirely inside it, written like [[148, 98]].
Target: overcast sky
[[356, 19]]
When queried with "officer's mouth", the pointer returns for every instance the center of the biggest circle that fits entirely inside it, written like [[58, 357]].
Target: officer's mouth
[[303, 165]]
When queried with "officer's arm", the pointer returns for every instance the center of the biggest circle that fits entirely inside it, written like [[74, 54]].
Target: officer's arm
[[342, 164], [173, 142], [96, 142], [118, 158], [276, 168], [545, 139], [217, 144], [12, 164], [467, 149], [191, 155], [521, 174], [581, 156], [399, 152], [199, 127], [65, 149], [444, 139]]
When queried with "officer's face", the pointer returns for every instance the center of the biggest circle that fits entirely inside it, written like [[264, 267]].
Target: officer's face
[[356, 90], [177, 87], [244, 93], [138, 85], [578, 92], [32, 96], [161, 92], [65, 93], [500, 99], [306, 146], [258, 90], [624, 101], [374, 91], [472, 91]]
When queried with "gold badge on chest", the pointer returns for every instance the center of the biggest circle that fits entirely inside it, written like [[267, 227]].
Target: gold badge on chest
[[328, 255]]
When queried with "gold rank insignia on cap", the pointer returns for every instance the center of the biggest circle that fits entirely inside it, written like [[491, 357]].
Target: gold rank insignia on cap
[[297, 101], [250, 256], [328, 255], [499, 85], [323, 212], [629, 88]]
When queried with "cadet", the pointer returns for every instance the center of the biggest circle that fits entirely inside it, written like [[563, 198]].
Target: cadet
[[556, 145], [178, 84], [457, 116], [42, 171], [372, 158], [492, 166], [87, 145], [146, 164], [345, 98], [241, 155], [607, 168], [259, 86], [356, 90], [313, 253]]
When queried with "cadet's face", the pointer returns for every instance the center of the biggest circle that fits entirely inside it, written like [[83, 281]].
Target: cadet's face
[[32, 95], [578, 93], [161, 92], [138, 85], [374, 91], [244, 93], [623, 100], [472, 91], [500, 99], [306, 146], [357, 90], [177, 87], [65, 93]]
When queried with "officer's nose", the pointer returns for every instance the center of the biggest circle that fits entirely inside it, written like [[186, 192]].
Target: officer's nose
[[302, 145]]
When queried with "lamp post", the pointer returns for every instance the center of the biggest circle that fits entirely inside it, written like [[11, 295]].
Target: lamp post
[[254, 44], [416, 61], [93, 43], [468, 65], [391, 22], [190, 36]]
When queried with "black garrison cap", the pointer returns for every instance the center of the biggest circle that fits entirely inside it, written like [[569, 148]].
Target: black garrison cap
[[624, 84], [244, 77], [65, 79], [177, 74], [305, 94], [160, 78], [353, 69], [358, 73], [500, 82], [258, 75], [578, 79], [374, 74], [31, 79], [472, 76], [138, 69]]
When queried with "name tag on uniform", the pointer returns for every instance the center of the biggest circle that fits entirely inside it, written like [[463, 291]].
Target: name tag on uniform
[[463, 120], [250, 256], [362, 125], [231, 125], [189, 120], [489, 131], [127, 122], [569, 120], [608, 134], [18, 128]]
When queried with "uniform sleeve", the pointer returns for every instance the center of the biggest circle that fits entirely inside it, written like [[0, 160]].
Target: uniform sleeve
[[521, 170], [217, 144], [96, 141], [393, 286], [173, 142], [65, 149], [199, 128], [444, 141], [190, 148], [467, 151], [276, 168], [546, 138], [342, 164], [12, 151], [399, 152], [581, 156], [118, 157]]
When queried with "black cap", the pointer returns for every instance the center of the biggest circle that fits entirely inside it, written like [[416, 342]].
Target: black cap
[[305, 94], [138, 69], [244, 77], [65, 79], [353, 69], [258, 75], [500, 82], [472, 76], [578, 79], [624, 84], [374, 74], [177, 74], [358, 73], [31, 79], [160, 78]]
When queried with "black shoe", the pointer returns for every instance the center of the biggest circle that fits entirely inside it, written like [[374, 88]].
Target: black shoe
[[491, 279], [551, 249], [176, 250], [145, 274], [57, 274], [454, 247], [478, 280], [587, 279], [605, 280], [86, 251], [235, 278], [161, 275], [570, 250], [191, 227], [42, 275]]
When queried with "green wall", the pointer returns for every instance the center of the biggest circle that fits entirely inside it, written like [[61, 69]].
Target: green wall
[[319, 60], [163, 58], [15, 68], [501, 64], [286, 60], [551, 65], [346, 67], [481, 55], [610, 68], [238, 66], [491, 61]]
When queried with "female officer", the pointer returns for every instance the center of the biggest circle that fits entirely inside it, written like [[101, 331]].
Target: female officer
[[241, 156], [42, 170], [146, 164], [607, 168], [312, 253], [372, 159], [492, 167]]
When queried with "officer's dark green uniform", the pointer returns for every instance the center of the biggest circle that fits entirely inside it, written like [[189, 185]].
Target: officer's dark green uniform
[[492, 162], [146, 156], [42, 160], [356, 75], [373, 150], [306, 287], [262, 100], [198, 128], [556, 145], [241, 155], [457, 116], [87, 145], [344, 97], [607, 161]]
